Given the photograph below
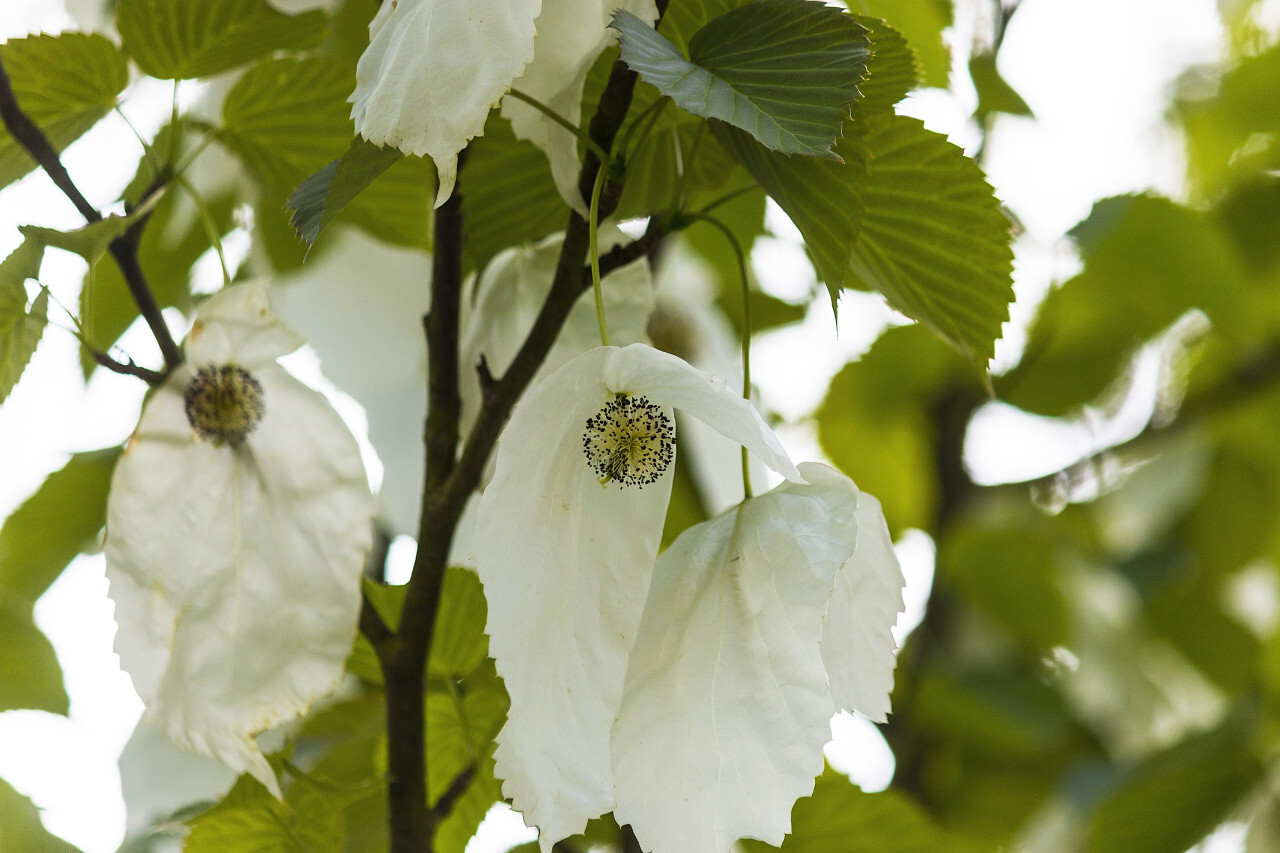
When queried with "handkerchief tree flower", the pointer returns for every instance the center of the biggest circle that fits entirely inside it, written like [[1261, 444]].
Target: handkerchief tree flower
[[643, 660]]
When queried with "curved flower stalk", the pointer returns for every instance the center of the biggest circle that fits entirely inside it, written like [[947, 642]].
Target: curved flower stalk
[[238, 524], [572, 520], [760, 624], [571, 34]]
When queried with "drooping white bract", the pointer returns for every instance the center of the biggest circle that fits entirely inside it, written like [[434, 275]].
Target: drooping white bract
[[566, 563], [235, 567], [432, 70], [571, 34], [727, 706]]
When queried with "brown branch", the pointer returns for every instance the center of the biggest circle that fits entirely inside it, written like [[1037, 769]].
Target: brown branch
[[129, 368], [124, 249]]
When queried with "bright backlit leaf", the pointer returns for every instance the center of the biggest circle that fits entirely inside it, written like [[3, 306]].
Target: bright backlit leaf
[[922, 23], [64, 84], [784, 71], [891, 72], [235, 567], [555, 534], [20, 326], [419, 87], [30, 676], [20, 826], [180, 40], [726, 706]]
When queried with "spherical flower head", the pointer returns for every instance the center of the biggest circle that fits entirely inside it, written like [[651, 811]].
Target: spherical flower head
[[224, 404], [630, 441]]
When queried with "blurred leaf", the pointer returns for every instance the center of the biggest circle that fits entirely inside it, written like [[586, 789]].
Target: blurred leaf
[[174, 239], [1004, 716], [90, 242], [250, 820], [65, 84], [1249, 213], [180, 40], [30, 676], [994, 94], [1230, 123], [508, 195], [62, 519], [1175, 797], [933, 239], [783, 71], [921, 22], [288, 119], [877, 424], [686, 507], [20, 329], [682, 159], [1189, 617], [21, 829], [840, 817], [349, 29], [1147, 261], [892, 70], [1010, 575]]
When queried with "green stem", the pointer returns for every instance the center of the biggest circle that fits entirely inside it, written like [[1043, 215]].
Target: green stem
[[740, 257], [206, 219], [593, 249], [562, 121]]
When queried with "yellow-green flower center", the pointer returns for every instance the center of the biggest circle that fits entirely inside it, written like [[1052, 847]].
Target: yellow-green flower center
[[629, 441], [224, 404]]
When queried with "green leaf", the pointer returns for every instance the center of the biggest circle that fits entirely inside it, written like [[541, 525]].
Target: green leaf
[[840, 817], [461, 725], [250, 820], [30, 676], [891, 71], [288, 119], [64, 84], [826, 200], [469, 810], [20, 328], [1147, 261], [508, 195], [782, 70], [1174, 798], [89, 242], [934, 241], [179, 40], [994, 94], [62, 519], [20, 826], [922, 23], [317, 200]]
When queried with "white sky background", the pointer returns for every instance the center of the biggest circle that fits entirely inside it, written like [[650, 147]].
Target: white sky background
[[1095, 72]]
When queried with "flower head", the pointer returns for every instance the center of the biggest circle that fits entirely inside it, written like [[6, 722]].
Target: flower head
[[237, 527], [566, 563]]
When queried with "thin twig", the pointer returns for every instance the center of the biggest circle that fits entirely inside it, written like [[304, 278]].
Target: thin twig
[[124, 249]]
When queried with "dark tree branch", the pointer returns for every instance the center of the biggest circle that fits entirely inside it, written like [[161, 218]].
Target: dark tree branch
[[124, 249], [129, 368]]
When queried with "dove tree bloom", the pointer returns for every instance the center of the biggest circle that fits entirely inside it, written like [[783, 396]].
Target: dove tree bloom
[[573, 519], [238, 523]]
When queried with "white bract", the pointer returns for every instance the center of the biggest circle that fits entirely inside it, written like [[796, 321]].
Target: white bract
[[750, 615], [432, 71], [566, 561], [235, 561]]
